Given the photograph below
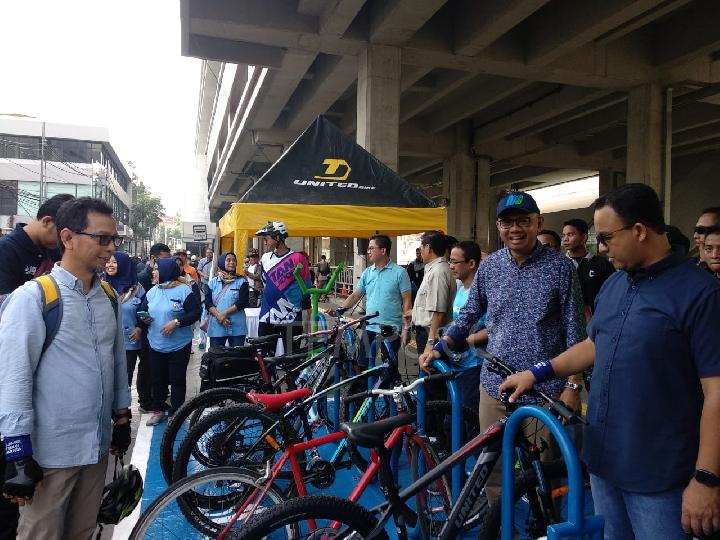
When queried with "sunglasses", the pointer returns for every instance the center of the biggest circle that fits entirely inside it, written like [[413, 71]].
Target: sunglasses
[[604, 238], [104, 239], [706, 230]]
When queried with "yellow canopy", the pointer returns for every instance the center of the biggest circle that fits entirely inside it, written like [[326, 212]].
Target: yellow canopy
[[244, 219]]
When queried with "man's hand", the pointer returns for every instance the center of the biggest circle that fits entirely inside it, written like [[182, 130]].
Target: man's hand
[[520, 382], [120, 441], [700, 509], [407, 317], [22, 477], [426, 359], [571, 398]]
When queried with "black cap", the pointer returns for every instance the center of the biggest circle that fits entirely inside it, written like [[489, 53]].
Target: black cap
[[518, 200]]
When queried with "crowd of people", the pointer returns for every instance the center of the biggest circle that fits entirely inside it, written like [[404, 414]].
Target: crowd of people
[[638, 315]]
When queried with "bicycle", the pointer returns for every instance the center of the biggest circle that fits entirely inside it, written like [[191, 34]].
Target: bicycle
[[250, 493], [533, 481]]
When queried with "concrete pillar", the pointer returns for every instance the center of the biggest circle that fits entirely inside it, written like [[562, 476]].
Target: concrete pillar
[[459, 186], [606, 182], [645, 136], [485, 229], [378, 111]]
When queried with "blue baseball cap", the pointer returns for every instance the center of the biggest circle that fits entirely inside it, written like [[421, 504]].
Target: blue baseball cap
[[517, 200]]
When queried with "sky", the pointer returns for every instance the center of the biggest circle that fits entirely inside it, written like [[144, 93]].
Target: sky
[[110, 63]]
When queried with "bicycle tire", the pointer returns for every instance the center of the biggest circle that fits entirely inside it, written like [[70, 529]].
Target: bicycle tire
[[435, 413], [150, 520], [319, 508], [218, 458], [524, 482], [431, 517], [192, 409]]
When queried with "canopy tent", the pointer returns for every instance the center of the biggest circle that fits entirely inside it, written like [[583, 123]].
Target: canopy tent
[[327, 185]]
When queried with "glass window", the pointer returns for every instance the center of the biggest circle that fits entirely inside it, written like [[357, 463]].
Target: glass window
[[8, 198], [28, 198], [84, 190], [56, 188]]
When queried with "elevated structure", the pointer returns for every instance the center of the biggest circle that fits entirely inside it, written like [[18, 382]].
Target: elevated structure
[[465, 98]]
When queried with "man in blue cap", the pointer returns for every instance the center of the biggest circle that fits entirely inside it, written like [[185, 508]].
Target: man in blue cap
[[534, 309]]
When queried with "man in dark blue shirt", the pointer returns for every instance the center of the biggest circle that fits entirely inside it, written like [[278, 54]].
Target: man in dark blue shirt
[[652, 444]]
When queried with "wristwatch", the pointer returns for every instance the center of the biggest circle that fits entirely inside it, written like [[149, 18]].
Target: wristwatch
[[574, 386], [706, 478]]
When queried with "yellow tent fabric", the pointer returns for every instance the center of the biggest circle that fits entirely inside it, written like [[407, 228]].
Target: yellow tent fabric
[[244, 219]]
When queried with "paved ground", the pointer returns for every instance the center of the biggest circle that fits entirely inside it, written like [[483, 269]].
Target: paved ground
[[407, 366]]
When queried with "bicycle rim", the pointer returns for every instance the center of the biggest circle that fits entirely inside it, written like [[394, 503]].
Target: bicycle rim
[[434, 503], [168, 518]]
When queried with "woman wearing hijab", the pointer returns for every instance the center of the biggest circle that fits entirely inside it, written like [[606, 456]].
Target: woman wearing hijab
[[173, 310], [121, 273], [226, 297]]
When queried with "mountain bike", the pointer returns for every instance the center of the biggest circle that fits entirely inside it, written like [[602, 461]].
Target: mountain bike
[[331, 517]]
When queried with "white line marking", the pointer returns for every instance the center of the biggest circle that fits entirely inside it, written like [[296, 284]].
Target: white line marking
[[140, 455]]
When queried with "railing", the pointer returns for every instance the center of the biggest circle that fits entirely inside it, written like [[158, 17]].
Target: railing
[[345, 281]]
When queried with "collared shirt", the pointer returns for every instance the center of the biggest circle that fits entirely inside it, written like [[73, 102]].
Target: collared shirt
[[436, 293], [534, 311], [204, 266], [468, 359], [383, 289], [656, 335], [64, 399]]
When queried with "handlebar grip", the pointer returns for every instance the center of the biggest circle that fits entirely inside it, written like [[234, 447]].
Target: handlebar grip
[[357, 397], [560, 408], [368, 317], [440, 377]]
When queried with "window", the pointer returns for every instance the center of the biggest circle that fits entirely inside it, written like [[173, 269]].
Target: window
[[19, 147], [84, 190], [28, 198], [8, 198], [57, 188]]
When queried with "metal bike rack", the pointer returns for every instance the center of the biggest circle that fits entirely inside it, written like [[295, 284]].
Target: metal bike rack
[[577, 526], [455, 423]]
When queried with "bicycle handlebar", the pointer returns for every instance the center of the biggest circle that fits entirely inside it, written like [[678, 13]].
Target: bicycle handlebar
[[440, 377], [340, 328], [504, 370]]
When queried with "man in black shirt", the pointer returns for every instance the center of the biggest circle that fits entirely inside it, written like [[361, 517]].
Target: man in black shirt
[[28, 251], [593, 270]]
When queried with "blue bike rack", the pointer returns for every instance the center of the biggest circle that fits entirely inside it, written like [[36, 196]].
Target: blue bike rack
[[577, 526], [455, 423]]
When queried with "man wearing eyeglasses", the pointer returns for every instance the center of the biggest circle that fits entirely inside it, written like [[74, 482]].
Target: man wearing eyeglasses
[[63, 408], [708, 220], [651, 444], [534, 309]]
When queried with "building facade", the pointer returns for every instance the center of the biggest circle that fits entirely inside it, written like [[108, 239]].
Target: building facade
[[41, 159]]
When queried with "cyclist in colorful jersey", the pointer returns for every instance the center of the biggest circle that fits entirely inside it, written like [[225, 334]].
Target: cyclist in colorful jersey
[[281, 309]]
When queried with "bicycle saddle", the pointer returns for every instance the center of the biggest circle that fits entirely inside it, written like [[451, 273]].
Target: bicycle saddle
[[262, 340], [275, 402], [372, 435]]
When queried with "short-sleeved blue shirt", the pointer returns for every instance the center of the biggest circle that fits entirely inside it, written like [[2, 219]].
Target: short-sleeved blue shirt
[[383, 289], [656, 335]]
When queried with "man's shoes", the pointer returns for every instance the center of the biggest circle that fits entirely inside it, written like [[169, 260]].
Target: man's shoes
[[155, 418]]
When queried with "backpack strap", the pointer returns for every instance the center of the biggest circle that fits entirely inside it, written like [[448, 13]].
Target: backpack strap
[[52, 307], [111, 295]]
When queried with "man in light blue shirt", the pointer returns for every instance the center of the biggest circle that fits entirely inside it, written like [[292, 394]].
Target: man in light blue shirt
[[61, 410], [387, 288]]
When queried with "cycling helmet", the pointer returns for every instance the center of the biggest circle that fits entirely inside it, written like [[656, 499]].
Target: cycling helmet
[[121, 496], [273, 228]]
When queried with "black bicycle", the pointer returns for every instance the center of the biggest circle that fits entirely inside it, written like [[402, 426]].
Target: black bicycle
[[332, 517]]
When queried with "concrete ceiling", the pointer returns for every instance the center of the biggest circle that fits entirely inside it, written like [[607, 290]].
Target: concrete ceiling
[[540, 84]]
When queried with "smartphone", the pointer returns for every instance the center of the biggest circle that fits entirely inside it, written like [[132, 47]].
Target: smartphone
[[144, 315]]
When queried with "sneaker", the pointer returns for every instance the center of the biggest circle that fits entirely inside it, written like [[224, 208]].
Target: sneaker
[[155, 418]]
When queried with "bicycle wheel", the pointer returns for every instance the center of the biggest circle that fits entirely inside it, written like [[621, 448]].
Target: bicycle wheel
[[193, 410], [352, 521], [434, 503], [525, 483], [438, 424], [164, 517]]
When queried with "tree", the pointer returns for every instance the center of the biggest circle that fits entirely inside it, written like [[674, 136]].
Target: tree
[[145, 213]]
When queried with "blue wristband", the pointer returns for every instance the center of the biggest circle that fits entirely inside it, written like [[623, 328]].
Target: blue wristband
[[440, 347], [18, 447], [543, 371]]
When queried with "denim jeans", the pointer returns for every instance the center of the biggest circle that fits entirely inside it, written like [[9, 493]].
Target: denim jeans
[[232, 341], [641, 516]]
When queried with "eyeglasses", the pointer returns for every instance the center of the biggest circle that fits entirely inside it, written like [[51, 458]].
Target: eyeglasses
[[706, 230], [453, 262], [104, 239], [523, 222], [603, 238]]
